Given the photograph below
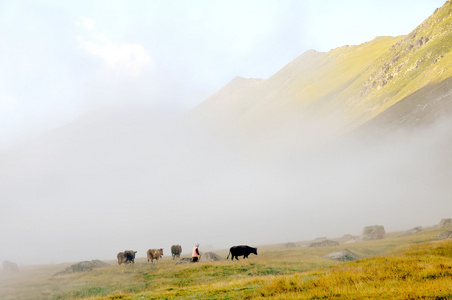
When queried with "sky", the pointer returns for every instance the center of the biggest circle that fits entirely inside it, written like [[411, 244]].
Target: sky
[[62, 59], [128, 174]]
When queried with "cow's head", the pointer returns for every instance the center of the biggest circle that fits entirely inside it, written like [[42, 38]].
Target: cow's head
[[255, 251]]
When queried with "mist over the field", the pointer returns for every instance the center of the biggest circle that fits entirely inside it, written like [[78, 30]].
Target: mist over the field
[[102, 148], [131, 179]]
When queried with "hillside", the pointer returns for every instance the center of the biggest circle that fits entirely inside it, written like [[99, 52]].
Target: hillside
[[347, 86], [426, 106]]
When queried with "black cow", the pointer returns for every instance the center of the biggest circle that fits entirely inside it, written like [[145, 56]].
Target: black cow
[[241, 250], [129, 256]]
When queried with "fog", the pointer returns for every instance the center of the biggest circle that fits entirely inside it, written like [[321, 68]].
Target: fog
[[132, 179], [101, 150]]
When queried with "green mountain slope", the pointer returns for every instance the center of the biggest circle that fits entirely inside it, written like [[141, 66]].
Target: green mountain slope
[[347, 86]]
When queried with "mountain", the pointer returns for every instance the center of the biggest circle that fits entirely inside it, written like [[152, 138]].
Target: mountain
[[258, 162], [347, 86]]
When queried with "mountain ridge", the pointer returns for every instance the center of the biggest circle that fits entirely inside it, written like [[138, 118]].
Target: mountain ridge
[[349, 84]]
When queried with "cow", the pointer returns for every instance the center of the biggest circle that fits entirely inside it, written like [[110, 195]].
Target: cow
[[126, 257], [121, 258], [241, 250], [129, 255], [10, 267], [176, 250], [154, 254]]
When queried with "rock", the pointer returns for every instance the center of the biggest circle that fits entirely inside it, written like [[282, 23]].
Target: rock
[[325, 243], [205, 257], [210, 256], [411, 231], [185, 260], [348, 239], [445, 223], [370, 233], [355, 240], [342, 255], [445, 235], [83, 266], [290, 245]]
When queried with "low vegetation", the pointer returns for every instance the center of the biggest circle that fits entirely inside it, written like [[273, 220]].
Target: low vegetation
[[411, 267]]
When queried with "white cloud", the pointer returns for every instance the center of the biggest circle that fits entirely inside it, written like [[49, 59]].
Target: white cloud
[[88, 23], [7, 100], [121, 58]]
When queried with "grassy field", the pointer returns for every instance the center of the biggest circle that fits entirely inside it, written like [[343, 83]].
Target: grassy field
[[412, 267]]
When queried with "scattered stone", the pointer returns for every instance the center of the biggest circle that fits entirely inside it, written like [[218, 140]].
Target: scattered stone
[[411, 231], [445, 235], [83, 266], [325, 243], [370, 233], [445, 223], [343, 255]]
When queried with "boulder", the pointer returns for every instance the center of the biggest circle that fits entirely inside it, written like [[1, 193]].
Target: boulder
[[205, 257], [83, 266], [325, 243], [348, 239], [445, 235], [342, 255], [210, 256], [290, 245], [411, 231], [445, 223], [370, 233], [185, 260]]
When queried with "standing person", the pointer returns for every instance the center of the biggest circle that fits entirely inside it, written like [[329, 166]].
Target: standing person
[[195, 254]]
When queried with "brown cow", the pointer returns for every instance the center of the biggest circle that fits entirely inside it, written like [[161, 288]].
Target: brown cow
[[10, 267], [176, 250], [121, 258], [154, 254]]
